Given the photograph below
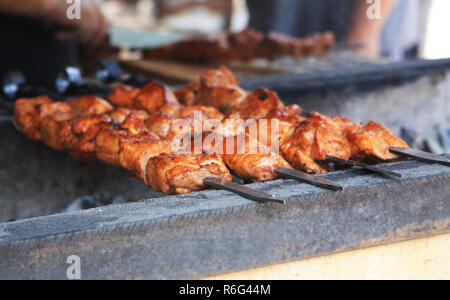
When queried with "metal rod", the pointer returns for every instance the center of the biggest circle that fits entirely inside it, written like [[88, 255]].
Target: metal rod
[[420, 155], [242, 190], [363, 166], [309, 179]]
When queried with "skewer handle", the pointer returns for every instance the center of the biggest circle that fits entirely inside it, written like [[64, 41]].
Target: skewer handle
[[363, 166], [309, 179], [242, 190], [420, 155]]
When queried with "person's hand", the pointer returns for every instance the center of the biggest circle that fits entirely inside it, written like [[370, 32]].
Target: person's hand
[[90, 31]]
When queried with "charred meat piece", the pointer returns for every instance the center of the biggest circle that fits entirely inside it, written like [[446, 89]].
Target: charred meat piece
[[244, 45], [188, 95], [25, 112], [154, 96], [121, 114], [207, 112], [315, 44], [182, 174], [257, 105], [275, 45], [107, 143], [123, 96], [186, 123], [374, 140], [134, 124], [86, 130], [216, 87], [219, 88], [90, 105], [195, 50], [56, 130], [110, 136], [60, 109], [135, 153], [251, 160], [311, 142], [288, 119]]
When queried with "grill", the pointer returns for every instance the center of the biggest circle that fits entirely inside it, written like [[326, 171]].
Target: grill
[[214, 232]]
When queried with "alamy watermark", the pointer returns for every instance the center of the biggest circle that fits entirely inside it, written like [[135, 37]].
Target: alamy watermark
[[74, 270], [233, 136], [74, 10], [374, 10]]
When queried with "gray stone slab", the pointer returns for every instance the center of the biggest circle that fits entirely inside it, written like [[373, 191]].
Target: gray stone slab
[[214, 232]]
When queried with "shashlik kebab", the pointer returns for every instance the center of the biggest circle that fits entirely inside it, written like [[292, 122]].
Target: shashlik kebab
[[129, 145], [95, 128], [218, 87], [244, 46], [306, 139]]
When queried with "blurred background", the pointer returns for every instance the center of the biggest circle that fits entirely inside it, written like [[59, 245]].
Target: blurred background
[[414, 28], [31, 29]]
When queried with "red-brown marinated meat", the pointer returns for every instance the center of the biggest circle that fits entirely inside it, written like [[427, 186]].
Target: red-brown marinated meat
[[374, 140], [90, 105], [121, 114], [252, 160], [246, 45], [25, 112], [188, 95], [135, 153], [154, 96], [219, 88], [311, 142], [182, 174], [257, 105], [56, 131], [123, 96]]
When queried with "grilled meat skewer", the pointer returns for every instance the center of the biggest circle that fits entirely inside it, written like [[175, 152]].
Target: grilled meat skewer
[[91, 129], [246, 45]]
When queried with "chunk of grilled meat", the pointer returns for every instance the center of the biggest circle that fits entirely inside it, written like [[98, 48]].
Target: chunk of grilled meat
[[90, 105], [315, 44], [199, 49], [123, 96], [107, 143], [119, 115], [26, 113], [182, 174], [219, 88], [257, 105], [56, 130], [63, 124], [245, 155], [251, 160], [374, 140], [189, 120], [153, 97], [289, 118], [135, 153], [111, 136], [311, 142], [85, 131], [188, 94], [246, 45]]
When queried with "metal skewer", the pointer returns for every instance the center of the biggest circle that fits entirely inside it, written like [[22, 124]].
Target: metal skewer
[[420, 155], [309, 179], [363, 166], [242, 190]]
